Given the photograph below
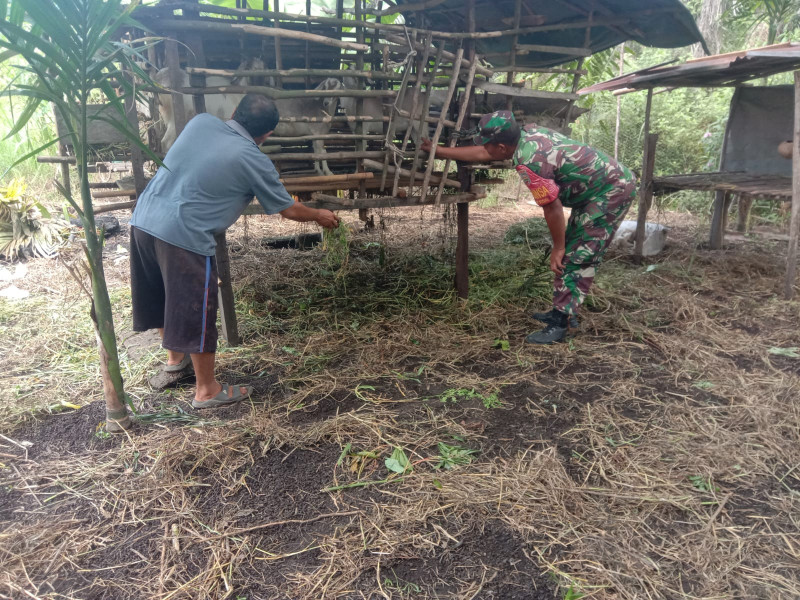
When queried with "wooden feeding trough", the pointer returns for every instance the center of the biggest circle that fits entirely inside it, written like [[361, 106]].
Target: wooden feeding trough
[[433, 71]]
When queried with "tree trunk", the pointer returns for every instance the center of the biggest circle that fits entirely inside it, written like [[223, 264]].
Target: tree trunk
[[117, 418]]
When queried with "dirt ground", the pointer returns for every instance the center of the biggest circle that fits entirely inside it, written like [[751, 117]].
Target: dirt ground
[[654, 455]]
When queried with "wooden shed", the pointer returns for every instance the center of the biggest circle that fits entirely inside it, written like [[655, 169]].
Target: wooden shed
[[463, 53], [760, 118]]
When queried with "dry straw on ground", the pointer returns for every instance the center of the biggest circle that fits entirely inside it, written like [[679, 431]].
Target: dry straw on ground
[[654, 456]]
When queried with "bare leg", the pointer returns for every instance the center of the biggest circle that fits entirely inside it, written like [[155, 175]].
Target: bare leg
[[173, 358], [207, 384]]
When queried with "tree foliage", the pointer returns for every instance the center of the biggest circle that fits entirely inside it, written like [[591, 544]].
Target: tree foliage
[[70, 51]]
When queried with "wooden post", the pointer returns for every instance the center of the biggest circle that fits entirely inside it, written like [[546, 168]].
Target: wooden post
[[646, 182], [230, 329], [794, 227], [465, 177], [587, 43], [173, 63], [278, 58], [719, 219], [137, 157], [512, 58]]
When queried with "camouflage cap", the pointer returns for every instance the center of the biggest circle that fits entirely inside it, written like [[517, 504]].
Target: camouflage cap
[[499, 127]]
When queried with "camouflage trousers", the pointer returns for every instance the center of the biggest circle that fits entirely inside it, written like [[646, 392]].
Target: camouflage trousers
[[589, 232]]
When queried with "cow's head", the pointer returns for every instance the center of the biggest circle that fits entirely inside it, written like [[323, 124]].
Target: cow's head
[[329, 105]]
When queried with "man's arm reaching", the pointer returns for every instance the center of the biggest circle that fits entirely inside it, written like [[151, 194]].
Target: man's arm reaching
[[302, 213], [462, 153]]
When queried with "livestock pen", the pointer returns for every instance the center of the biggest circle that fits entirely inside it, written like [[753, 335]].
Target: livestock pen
[[432, 72]]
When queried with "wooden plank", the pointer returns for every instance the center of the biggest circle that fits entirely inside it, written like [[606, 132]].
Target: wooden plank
[[499, 88], [794, 227]]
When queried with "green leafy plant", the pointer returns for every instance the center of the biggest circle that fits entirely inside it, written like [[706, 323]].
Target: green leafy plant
[[503, 345], [573, 593], [336, 245], [402, 587], [453, 456], [26, 226], [398, 462], [455, 395], [788, 352], [703, 483]]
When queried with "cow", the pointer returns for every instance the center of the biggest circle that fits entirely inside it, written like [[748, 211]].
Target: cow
[[376, 107], [223, 105]]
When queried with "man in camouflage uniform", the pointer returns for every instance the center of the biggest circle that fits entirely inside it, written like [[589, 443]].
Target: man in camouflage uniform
[[559, 172]]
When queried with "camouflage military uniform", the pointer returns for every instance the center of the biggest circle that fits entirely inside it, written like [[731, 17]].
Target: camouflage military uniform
[[597, 188]]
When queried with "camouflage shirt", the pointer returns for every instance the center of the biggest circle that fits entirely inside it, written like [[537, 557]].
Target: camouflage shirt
[[581, 172]]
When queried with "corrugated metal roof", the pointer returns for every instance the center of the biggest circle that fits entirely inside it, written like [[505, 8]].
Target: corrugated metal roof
[[562, 24], [711, 71]]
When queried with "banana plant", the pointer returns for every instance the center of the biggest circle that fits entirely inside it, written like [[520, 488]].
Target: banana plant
[[67, 51]]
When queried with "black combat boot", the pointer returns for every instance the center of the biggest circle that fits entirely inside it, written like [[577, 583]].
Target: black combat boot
[[555, 330], [551, 317]]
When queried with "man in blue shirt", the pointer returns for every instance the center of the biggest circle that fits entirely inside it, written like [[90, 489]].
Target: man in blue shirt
[[212, 172]]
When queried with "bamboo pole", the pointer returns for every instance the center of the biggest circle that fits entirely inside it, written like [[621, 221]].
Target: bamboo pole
[[371, 164], [437, 134], [565, 50], [610, 21], [466, 178], [442, 78], [446, 55], [244, 28], [392, 127], [173, 64], [794, 227], [300, 156], [331, 119], [414, 101], [275, 94], [336, 203], [645, 185], [328, 136], [278, 57], [459, 122], [425, 112], [512, 59]]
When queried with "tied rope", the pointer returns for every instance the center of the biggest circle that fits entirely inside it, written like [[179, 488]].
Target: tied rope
[[461, 134]]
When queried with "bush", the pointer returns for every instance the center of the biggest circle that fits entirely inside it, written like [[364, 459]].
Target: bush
[[26, 226]]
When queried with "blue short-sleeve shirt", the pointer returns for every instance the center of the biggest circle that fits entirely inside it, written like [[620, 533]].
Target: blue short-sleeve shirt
[[213, 171]]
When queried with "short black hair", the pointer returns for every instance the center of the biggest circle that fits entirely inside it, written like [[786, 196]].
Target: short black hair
[[509, 137], [257, 114]]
